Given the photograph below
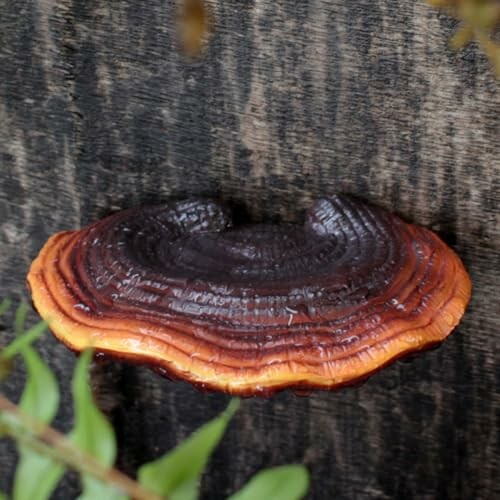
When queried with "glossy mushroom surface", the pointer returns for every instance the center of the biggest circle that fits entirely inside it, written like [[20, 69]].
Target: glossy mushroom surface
[[251, 309]]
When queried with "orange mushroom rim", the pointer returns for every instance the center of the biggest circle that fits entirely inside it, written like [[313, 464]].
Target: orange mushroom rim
[[254, 309]]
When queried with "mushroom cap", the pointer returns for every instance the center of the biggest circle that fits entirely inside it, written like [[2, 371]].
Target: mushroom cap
[[253, 309]]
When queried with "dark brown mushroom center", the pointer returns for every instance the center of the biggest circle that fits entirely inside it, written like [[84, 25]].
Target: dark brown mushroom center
[[256, 254], [198, 265]]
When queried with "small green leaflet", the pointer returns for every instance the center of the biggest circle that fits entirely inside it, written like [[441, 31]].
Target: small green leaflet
[[177, 473], [23, 338], [92, 433], [40, 397], [4, 307], [5, 364], [16, 346], [37, 475], [20, 318], [288, 482]]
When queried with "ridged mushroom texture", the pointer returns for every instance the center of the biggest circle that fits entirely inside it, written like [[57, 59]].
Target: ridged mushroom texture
[[251, 309]]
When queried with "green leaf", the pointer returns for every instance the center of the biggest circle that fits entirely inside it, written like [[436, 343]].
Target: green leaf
[[20, 318], [5, 364], [3, 496], [94, 489], [4, 307], [288, 482], [24, 339], [37, 475], [177, 473], [40, 397], [92, 433]]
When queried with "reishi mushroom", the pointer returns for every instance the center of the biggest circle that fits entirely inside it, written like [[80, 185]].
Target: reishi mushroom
[[253, 309]]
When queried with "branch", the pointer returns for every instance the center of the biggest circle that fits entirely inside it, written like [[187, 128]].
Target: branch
[[46, 440]]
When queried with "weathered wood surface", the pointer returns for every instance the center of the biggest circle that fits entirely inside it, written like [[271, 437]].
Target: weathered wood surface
[[292, 100]]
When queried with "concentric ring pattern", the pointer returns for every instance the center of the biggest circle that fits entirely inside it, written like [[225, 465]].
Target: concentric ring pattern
[[251, 309]]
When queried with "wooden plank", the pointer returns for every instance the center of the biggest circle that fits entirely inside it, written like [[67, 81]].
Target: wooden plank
[[292, 100]]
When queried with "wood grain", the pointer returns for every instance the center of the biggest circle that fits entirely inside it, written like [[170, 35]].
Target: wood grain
[[291, 100]]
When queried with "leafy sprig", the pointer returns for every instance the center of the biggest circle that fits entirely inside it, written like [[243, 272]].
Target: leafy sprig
[[45, 454], [480, 20]]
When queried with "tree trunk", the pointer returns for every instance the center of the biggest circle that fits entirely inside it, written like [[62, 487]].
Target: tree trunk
[[291, 100]]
